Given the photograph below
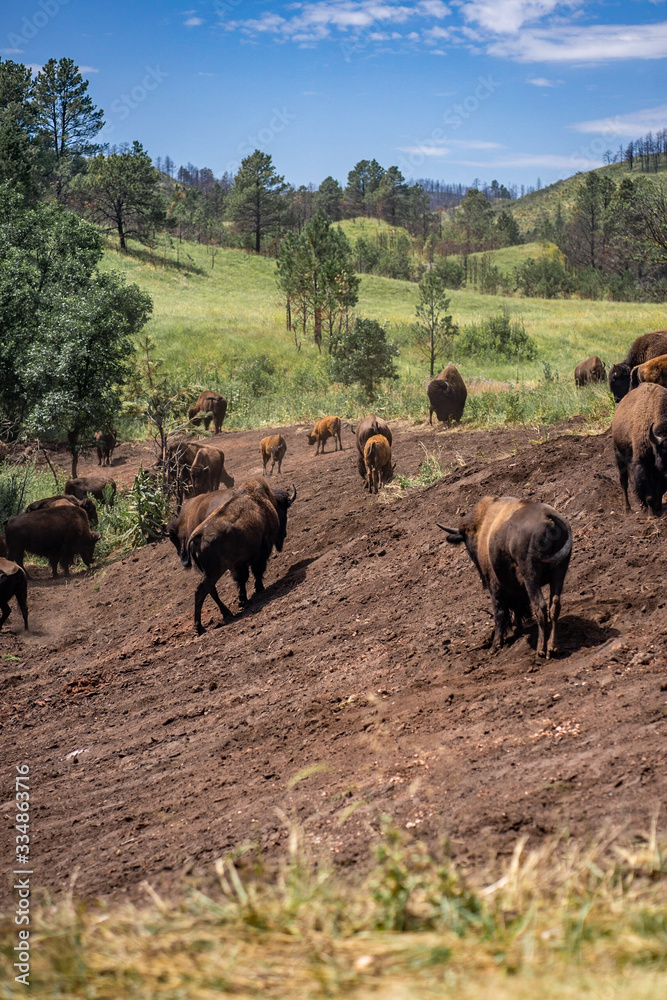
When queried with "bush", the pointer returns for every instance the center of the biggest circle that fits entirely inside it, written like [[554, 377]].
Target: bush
[[544, 278], [450, 272], [497, 336], [364, 355]]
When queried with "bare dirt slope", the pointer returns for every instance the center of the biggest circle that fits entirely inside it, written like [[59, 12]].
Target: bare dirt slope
[[153, 751]]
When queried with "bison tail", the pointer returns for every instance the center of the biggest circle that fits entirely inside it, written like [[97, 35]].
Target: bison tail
[[194, 551], [559, 530]]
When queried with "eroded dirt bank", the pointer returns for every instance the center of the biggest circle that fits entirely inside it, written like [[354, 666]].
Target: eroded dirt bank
[[153, 751]]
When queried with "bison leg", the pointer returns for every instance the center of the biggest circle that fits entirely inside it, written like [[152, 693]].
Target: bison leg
[[21, 595], [501, 618], [54, 568], [6, 611], [430, 416], [207, 421], [622, 463], [258, 570], [206, 587], [240, 574], [541, 612], [554, 613]]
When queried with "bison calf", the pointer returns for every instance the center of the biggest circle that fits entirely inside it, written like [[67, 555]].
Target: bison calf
[[367, 428], [639, 433], [377, 459], [324, 429], [518, 546], [13, 583], [274, 448], [59, 534], [239, 536]]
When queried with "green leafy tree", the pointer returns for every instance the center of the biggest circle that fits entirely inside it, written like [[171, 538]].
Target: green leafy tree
[[329, 199], [364, 355], [316, 273], [81, 359], [154, 394], [65, 116], [434, 332], [255, 201], [122, 192]]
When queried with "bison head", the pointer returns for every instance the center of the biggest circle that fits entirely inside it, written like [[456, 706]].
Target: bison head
[[619, 381]]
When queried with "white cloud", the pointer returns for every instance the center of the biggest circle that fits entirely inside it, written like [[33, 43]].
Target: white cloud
[[506, 16], [435, 150], [193, 22], [11, 52], [35, 68], [541, 81], [88, 69], [585, 44], [632, 124], [548, 161], [315, 21], [438, 152]]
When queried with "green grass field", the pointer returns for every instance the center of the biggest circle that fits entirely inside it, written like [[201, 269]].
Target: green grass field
[[217, 326]]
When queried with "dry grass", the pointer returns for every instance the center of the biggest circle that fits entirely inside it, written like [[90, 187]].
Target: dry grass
[[559, 920]]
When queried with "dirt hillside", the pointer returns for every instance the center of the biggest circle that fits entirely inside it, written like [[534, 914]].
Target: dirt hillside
[[153, 751]]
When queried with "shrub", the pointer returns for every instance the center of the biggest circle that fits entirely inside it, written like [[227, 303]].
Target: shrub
[[496, 336], [544, 278], [364, 355]]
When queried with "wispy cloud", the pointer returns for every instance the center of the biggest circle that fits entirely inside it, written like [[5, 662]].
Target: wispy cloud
[[541, 81], [193, 22], [88, 69], [546, 161], [585, 44], [632, 124], [437, 151], [502, 17]]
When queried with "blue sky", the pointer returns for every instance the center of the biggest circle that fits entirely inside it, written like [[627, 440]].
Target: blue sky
[[456, 90]]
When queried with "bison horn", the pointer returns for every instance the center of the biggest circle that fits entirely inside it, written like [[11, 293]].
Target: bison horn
[[656, 439], [292, 497], [450, 531]]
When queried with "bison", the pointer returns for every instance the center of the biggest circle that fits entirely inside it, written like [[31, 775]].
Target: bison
[[106, 442], [57, 533], [377, 458], [589, 371], [213, 406], [207, 470], [274, 448], [179, 458], [654, 370], [3, 547], [324, 429], [639, 434], [13, 583], [193, 512], [60, 501], [239, 536], [649, 345], [518, 546], [447, 396], [367, 428], [82, 486]]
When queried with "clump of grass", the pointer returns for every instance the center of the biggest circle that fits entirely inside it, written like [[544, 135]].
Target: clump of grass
[[21, 484], [561, 919], [430, 471], [136, 517]]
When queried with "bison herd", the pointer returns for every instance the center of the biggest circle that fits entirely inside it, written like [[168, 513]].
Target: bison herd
[[517, 546]]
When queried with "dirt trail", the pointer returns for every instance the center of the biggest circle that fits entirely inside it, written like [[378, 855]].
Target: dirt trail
[[154, 751]]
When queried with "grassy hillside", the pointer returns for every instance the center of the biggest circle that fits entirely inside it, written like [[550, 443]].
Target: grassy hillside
[[213, 324], [529, 210]]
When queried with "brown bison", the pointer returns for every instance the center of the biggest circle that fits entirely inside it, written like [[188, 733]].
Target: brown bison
[[324, 429], [447, 396], [59, 501], [208, 470], [518, 546], [3, 547], [366, 429], [589, 371], [59, 534], [639, 433], [654, 370], [94, 486], [179, 458], [106, 441], [377, 458], [649, 345], [273, 448], [13, 583], [213, 406], [193, 512], [239, 536]]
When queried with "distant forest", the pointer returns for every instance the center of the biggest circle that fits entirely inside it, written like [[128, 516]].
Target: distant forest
[[608, 236]]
